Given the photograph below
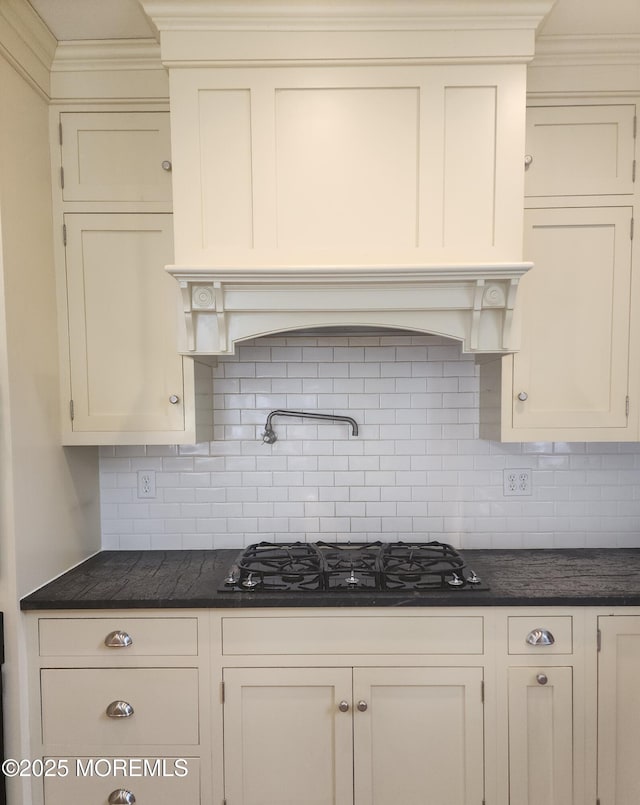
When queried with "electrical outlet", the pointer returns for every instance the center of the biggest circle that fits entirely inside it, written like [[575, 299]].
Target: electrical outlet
[[146, 483], [517, 482]]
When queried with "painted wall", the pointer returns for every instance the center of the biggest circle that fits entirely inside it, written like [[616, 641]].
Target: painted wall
[[48, 496], [417, 469]]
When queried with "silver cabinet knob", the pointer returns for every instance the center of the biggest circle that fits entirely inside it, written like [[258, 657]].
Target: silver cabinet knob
[[528, 160], [343, 706], [166, 165], [118, 639], [174, 399], [121, 797], [522, 396], [362, 706], [119, 709], [540, 637], [542, 679]]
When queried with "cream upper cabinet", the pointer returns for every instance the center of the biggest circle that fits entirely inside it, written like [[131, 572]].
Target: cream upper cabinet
[[123, 379], [126, 375], [580, 150], [571, 372], [115, 156], [347, 165], [618, 710], [571, 379]]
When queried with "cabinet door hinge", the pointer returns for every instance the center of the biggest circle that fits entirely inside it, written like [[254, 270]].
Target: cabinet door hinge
[[62, 177], [64, 234], [599, 641], [71, 410]]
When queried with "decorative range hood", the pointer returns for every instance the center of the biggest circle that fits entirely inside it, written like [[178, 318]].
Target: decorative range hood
[[358, 163]]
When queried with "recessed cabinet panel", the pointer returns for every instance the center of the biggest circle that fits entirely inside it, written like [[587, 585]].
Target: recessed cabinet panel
[[286, 738], [347, 166], [225, 161], [571, 371], [469, 165], [116, 156], [122, 317], [540, 736], [418, 730], [580, 150], [353, 635]]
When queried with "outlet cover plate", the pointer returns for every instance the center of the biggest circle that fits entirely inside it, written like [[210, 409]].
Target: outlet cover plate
[[146, 483], [517, 482]]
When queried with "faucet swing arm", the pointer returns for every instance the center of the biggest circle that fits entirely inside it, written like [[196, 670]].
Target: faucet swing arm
[[269, 435]]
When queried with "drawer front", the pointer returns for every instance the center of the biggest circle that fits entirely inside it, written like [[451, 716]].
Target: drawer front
[[75, 703], [353, 635], [88, 637], [91, 781], [559, 627]]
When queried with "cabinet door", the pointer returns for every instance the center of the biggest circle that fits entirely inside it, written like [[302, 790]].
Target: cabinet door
[[116, 156], [540, 736], [286, 741], [580, 150], [124, 366], [573, 362], [619, 710], [420, 739]]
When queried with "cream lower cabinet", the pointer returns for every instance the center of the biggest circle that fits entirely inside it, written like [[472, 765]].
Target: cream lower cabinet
[[619, 710], [122, 713], [126, 382], [363, 735], [540, 736]]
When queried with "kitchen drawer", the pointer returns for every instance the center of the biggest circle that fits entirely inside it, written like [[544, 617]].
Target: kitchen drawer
[[75, 700], [91, 781], [353, 635], [560, 627], [85, 637]]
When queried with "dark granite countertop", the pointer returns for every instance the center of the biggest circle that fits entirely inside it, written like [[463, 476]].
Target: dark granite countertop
[[191, 579]]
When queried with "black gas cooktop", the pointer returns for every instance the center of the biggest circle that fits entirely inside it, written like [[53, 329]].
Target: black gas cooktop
[[371, 566]]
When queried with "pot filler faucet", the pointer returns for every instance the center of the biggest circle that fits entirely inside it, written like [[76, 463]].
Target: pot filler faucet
[[269, 435]]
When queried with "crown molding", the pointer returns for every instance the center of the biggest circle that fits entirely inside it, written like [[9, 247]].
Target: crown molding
[[361, 15], [583, 50], [27, 43], [107, 54]]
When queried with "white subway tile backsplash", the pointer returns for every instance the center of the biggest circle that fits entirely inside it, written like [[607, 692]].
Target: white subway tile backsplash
[[416, 470]]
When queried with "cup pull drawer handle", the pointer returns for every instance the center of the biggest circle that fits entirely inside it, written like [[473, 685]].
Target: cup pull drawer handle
[[540, 637], [119, 709], [118, 639], [121, 797]]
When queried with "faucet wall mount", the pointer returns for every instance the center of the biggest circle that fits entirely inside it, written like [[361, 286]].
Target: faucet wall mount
[[269, 435]]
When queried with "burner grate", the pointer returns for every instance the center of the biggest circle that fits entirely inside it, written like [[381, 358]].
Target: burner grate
[[351, 566]]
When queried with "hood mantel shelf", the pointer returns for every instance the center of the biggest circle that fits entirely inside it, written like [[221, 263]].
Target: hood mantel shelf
[[472, 303]]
